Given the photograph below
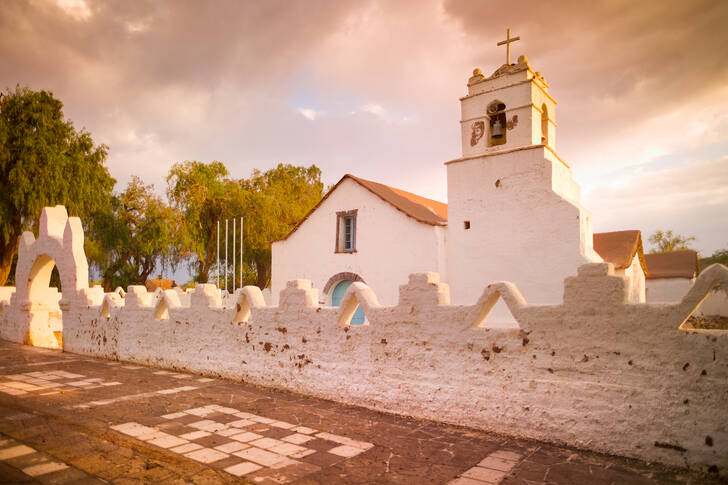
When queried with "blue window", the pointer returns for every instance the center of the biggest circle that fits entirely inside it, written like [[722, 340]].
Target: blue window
[[346, 231]]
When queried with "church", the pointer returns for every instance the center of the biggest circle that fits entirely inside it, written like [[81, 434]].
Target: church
[[513, 213]]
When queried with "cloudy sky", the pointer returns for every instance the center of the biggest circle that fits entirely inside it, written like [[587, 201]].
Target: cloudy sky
[[371, 88]]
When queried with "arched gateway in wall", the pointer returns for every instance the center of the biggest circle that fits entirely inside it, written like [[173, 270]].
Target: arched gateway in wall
[[59, 243], [336, 288]]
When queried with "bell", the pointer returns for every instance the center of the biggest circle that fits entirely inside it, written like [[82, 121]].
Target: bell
[[497, 131]]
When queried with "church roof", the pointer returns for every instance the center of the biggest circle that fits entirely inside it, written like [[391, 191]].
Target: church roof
[[620, 247], [675, 264], [423, 209], [420, 208]]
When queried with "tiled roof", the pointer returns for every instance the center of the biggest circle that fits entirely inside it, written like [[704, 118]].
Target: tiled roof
[[163, 284], [620, 247], [424, 210], [420, 208], [675, 264]]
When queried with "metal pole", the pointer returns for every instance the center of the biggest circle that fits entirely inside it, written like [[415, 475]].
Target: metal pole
[[226, 253], [233, 255], [241, 252], [217, 253]]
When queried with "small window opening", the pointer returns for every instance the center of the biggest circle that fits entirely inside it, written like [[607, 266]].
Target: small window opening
[[466, 224], [497, 183], [544, 125], [346, 232], [497, 115]]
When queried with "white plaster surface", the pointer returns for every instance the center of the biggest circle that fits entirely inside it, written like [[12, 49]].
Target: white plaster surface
[[666, 290], [389, 245], [523, 227]]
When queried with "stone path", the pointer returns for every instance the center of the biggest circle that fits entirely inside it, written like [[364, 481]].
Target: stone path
[[66, 418]]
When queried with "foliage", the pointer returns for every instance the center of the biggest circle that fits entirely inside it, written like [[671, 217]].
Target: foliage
[[138, 232], [275, 201], [719, 256], [666, 241], [203, 194], [44, 161]]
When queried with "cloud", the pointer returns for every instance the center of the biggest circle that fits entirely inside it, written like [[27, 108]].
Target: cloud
[[309, 113], [640, 86], [697, 203]]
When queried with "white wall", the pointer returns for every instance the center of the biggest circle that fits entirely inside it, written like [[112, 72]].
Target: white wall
[[389, 245], [636, 277], [587, 372], [672, 289], [521, 231], [666, 290]]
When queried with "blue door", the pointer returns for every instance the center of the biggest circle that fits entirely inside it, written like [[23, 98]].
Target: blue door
[[338, 294]]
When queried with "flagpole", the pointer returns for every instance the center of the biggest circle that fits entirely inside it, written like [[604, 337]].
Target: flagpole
[[226, 253], [217, 253], [241, 251], [233, 255]]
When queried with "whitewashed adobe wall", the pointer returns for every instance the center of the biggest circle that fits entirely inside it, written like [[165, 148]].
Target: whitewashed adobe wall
[[636, 277], [666, 290], [389, 245], [671, 290], [526, 225], [594, 371]]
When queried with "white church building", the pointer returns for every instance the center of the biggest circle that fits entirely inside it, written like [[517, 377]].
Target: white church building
[[513, 213]]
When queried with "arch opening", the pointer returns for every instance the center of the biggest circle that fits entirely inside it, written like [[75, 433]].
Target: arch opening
[[45, 319], [544, 125], [497, 124], [338, 294]]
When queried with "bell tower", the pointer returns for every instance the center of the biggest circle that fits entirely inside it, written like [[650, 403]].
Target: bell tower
[[514, 210], [512, 108]]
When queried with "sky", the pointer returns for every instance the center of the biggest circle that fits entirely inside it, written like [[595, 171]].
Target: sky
[[372, 88]]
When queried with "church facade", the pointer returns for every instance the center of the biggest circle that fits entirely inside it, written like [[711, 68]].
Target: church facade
[[513, 213]]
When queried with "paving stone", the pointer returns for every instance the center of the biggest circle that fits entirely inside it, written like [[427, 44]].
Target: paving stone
[[484, 474], [206, 455], [346, 451], [232, 447], [242, 468], [496, 463], [15, 451], [43, 468]]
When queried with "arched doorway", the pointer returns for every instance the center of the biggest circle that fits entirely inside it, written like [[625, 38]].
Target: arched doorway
[[338, 294], [45, 319]]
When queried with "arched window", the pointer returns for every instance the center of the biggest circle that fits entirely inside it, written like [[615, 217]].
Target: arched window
[[497, 115], [544, 125]]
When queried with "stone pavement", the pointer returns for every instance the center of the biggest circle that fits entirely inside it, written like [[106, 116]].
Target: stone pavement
[[66, 418]]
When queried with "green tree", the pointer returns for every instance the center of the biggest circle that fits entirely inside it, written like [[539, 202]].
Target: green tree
[[666, 241], [274, 202], [203, 194], [44, 161], [136, 235], [719, 256]]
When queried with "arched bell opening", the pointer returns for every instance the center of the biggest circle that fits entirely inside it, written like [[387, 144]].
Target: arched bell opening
[[45, 319], [497, 124]]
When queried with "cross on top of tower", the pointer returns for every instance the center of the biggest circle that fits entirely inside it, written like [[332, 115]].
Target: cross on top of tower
[[507, 42]]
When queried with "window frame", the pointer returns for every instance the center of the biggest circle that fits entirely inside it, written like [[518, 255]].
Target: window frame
[[340, 242]]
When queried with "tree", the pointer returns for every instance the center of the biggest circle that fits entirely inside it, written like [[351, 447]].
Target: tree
[[44, 161], [719, 256], [138, 233], [666, 241], [275, 202], [203, 194]]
